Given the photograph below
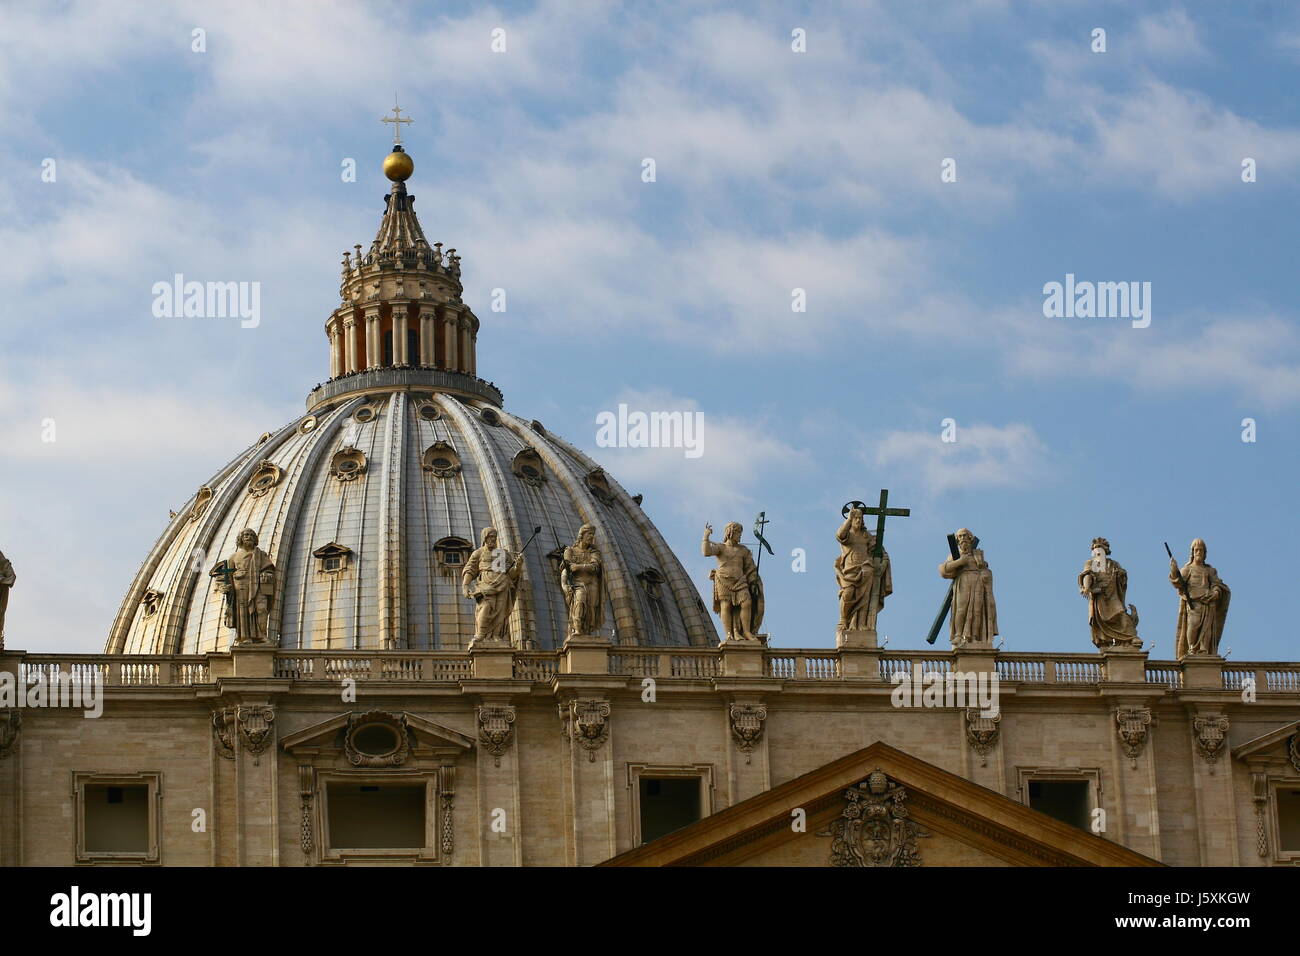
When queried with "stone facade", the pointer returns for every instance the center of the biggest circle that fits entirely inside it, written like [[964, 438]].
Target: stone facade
[[249, 740]]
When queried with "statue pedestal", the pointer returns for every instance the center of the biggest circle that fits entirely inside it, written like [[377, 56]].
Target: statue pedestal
[[253, 660], [1124, 665], [491, 660], [743, 658], [1203, 672], [585, 654], [853, 637], [975, 659]]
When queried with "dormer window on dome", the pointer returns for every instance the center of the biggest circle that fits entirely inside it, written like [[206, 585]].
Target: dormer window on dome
[[332, 558], [528, 467], [451, 554], [347, 464], [266, 477], [441, 459]]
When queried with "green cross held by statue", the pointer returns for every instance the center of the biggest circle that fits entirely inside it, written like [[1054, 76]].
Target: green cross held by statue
[[880, 511]]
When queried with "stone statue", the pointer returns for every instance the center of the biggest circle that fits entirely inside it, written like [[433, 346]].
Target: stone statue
[[737, 588], [1105, 584], [1203, 604], [247, 577], [974, 617], [7, 579], [491, 578], [864, 580], [582, 577]]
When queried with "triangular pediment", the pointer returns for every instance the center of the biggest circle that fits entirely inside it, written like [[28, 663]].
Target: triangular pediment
[[325, 736], [1265, 744], [958, 822]]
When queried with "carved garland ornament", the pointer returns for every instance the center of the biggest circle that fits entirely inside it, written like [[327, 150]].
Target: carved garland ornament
[[875, 828], [588, 724], [376, 739], [982, 732], [1132, 724], [496, 729], [1293, 751], [1211, 734], [11, 722], [747, 722]]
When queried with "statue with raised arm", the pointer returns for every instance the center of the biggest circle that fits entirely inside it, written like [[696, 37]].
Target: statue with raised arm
[[582, 579], [7, 579], [737, 588], [247, 578], [491, 579], [1202, 605], [865, 580], [974, 618], [1105, 584]]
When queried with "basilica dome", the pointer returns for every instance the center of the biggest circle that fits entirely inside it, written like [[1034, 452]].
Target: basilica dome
[[370, 504]]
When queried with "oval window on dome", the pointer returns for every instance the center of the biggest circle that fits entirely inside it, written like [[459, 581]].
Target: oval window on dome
[[441, 459], [430, 412], [490, 416], [347, 464], [308, 424], [366, 413], [528, 467], [266, 477]]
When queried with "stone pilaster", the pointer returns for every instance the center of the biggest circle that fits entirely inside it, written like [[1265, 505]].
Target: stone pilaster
[[497, 769], [1212, 785], [587, 726]]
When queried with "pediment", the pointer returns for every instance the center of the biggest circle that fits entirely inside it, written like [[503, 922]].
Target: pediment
[[955, 822], [328, 736], [1280, 746]]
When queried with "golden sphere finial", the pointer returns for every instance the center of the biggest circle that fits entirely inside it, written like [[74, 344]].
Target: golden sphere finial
[[398, 165]]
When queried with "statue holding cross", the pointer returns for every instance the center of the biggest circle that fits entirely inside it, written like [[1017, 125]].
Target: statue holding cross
[[862, 570]]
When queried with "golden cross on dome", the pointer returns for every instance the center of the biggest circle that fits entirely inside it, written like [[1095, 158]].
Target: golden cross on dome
[[397, 121]]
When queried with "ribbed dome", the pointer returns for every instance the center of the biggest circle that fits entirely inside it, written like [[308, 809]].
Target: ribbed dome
[[369, 504], [390, 477]]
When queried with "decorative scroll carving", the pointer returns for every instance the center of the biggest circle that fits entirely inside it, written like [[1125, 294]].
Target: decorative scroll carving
[[441, 459], [223, 729], [365, 744], [201, 502], [747, 722], [982, 732], [874, 828], [1211, 735], [1133, 723], [528, 467], [1259, 794], [446, 798], [255, 729], [307, 791], [587, 724], [11, 722], [496, 729]]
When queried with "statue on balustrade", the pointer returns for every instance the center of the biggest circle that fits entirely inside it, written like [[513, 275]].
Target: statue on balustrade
[[491, 580], [974, 618], [1202, 605], [737, 588], [247, 579], [865, 580], [1105, 584], [7, 579], [582, 579]]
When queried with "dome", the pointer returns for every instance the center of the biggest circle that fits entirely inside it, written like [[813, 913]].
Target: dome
[[369, 504]]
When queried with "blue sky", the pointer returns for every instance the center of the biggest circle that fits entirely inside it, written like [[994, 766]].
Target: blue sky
[[775, 170]]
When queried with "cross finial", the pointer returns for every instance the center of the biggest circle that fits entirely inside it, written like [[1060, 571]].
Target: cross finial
[[397, 120]]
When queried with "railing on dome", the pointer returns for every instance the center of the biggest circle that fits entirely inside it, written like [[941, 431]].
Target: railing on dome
[[681, 662], [404, 666]]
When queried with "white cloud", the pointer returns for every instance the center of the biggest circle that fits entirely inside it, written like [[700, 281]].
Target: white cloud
[[983, 456]]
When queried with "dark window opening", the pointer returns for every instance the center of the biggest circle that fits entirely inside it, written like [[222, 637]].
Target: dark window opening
[[116, 818], [1288, 820], [376, 817], [1064, 800], [668, 804]]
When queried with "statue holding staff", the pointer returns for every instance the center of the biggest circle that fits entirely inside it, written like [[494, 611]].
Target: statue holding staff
[[1202, 606]]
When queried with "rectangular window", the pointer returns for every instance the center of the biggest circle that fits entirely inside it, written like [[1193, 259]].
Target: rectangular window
[[117, 817], [1064, 800], [383, 816], [667, 804], [1288, 819]]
